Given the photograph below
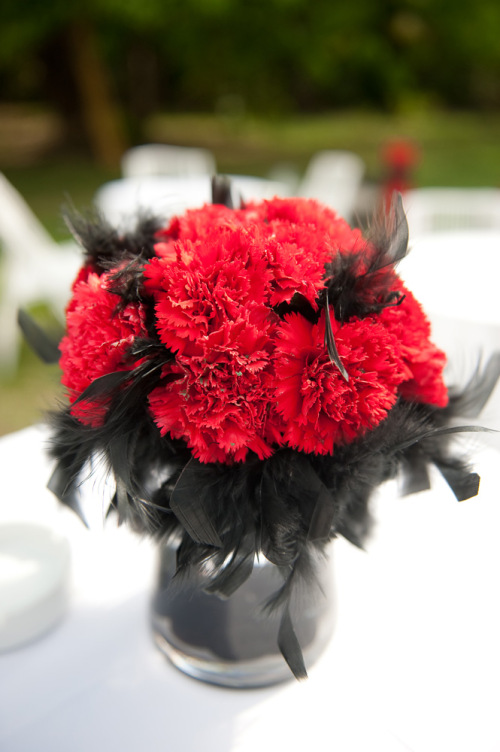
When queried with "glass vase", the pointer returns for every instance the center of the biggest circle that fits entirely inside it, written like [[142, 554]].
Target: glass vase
[[231, 642]]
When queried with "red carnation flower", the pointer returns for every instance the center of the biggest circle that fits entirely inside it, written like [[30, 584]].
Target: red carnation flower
[[217, 394], [408, 322], [321, 409], [206, 285], [300, 213], [82, 276], [303, 236], [196, 223], [99, 334], [295, 237]]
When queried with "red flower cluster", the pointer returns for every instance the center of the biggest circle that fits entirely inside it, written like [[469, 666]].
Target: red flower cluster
[[246, 375], [319, 407], [99, 335], [425, 361]]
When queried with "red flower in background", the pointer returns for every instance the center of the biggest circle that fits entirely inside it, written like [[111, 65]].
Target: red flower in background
[[99, 334], [400, 159]]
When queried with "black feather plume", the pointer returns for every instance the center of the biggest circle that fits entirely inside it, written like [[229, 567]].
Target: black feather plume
[[44, 345], [362, 282], [104, 247]]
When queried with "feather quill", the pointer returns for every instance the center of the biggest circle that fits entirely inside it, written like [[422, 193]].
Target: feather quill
[[362, 281]]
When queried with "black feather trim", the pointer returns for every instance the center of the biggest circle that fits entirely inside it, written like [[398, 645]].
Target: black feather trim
[[361, 282], [104, 247], [287, 506]]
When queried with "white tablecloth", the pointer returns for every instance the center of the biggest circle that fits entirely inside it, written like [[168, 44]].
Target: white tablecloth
[[414, 663], [455, 274]]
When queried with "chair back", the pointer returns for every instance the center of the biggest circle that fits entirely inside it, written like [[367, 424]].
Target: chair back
[[164, 159], [34, 268], [334, 177], [432, 210]]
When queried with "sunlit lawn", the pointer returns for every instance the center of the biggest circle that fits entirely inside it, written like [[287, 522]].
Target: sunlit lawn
[[457, 149], [26, 397], [461, 149]]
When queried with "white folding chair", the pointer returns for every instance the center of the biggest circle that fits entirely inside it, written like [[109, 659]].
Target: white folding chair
[[164, 159], [34, 268], [334, 177], [432, 210]]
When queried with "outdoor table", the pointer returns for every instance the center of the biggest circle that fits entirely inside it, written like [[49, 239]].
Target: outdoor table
[[414, 662], [454, 275]]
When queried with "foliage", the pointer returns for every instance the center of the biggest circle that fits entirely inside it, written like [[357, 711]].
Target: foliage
[[267, 54]]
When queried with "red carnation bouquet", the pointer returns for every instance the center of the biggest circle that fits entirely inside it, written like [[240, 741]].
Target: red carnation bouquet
[[247, 375], [250, 376]]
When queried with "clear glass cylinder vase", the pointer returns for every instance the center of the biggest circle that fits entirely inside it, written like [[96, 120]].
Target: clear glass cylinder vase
[[231, 641]]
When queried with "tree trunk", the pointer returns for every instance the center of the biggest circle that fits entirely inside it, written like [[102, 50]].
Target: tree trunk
[[99, 111]]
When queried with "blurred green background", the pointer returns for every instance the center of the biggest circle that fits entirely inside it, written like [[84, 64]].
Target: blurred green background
[[263, 84]]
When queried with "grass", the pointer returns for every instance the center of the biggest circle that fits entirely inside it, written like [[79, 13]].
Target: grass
[[457, 149], [52, 183], [32, 388], [26, 396]]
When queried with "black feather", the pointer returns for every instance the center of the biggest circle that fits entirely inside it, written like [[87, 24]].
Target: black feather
[[189, 508], [102, 387], [469, 401], [236, 571], [392, 234], [221, 191], [45, 346], [298, 304], [290, 647], [104, 247], [362, 282], [331, 346]]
